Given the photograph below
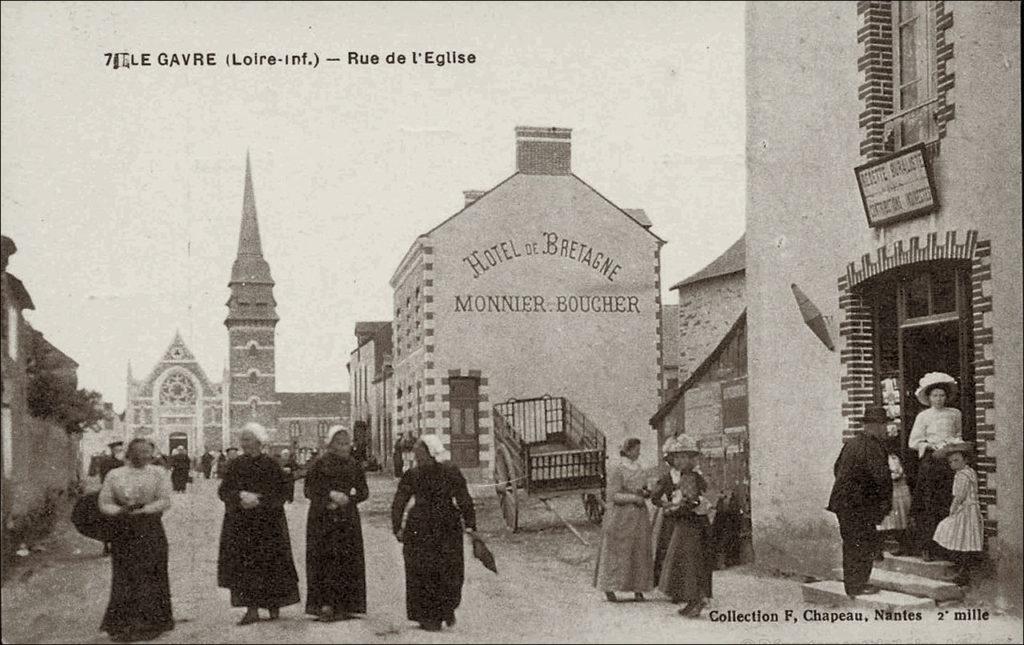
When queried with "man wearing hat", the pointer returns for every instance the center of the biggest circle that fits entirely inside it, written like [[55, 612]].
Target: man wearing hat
[[861, 498]]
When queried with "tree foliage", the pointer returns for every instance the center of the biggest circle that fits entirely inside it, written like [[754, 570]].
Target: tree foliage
[[50, 397]]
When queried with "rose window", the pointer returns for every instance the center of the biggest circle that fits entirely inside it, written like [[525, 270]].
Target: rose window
[[177, 389]]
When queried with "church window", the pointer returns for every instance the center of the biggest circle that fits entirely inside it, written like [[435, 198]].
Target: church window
[[177, 389]]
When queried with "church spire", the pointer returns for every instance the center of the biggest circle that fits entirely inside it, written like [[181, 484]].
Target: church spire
[[249, 266], [252, 287]]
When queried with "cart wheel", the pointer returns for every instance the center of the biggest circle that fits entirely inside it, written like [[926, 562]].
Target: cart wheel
[[594, 508], [506, 488]]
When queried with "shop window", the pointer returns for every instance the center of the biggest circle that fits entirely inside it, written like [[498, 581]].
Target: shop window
[[914, 73]]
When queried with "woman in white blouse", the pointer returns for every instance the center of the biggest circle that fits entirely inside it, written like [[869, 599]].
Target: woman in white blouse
[[934, 428], [135, 497]]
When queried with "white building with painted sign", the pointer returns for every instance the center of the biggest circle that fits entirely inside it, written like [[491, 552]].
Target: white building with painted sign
[[538, 287]]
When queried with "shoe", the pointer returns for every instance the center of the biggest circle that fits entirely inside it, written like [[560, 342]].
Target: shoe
[[610, 595], [326, 614], [121, 637], [928, 557], [431, 625], [275, 613], [638, 597], [251, 616], [691, 610], [450, 620]]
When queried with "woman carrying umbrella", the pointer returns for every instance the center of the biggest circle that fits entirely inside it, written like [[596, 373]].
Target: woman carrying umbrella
[[255, 560], [432, 536], [135, 496], [335, 566]]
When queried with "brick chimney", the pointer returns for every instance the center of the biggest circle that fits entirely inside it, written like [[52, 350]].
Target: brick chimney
[[472, 195], [543, 151]]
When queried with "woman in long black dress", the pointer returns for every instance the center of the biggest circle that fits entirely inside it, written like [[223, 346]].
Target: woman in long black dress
[[135, 497], [255, 560], [335, 566], [686, 565], [432, 535]]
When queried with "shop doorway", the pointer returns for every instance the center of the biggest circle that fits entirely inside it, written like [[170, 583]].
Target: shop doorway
[[463, 401], [923, 323], [177, 439]]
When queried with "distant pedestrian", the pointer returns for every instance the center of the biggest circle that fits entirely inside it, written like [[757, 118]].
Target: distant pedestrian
[[222, 461], [255, 559], [934, 427], [432, 535], [180, 466], [396, 460], [624, 561], [861, 497], [961, 532], [335, 565], [290, 467], [206, 463], [686, 568], [135, 496], [408, 452]]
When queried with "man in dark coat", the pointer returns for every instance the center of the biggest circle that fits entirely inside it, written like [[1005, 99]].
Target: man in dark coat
[[861, 498]]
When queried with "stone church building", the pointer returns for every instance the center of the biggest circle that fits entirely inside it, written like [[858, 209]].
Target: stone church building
[[177, 403]]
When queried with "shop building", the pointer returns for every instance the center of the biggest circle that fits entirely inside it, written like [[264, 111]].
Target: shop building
[[884, 242], [538, 287], [366, 367]]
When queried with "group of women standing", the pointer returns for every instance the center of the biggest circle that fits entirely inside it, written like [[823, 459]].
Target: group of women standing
[[255, 559], [681, 562]]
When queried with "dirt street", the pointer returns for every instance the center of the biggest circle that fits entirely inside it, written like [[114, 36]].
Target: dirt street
[[542, 594]]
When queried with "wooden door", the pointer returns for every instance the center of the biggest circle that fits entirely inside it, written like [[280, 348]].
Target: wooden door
[[463, 404]]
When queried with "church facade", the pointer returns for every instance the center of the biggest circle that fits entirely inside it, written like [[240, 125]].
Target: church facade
[[177, 404]]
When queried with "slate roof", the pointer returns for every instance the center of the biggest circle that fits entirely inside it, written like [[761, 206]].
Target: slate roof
[[313, 404], [733, 260]]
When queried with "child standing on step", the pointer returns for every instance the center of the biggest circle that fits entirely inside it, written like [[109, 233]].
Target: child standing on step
[[897, 521], [961, 532]]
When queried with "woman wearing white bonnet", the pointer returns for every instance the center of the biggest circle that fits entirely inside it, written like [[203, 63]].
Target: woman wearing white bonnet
[[255, 560], [432, 534]]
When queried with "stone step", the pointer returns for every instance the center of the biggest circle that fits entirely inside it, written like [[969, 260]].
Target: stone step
[[831, 592], [936, 570], [911, 585]]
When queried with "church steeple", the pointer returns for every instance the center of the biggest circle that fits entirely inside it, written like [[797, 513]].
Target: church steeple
[[252, 287]]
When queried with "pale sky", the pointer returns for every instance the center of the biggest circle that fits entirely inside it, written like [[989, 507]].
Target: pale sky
[[123, 188]]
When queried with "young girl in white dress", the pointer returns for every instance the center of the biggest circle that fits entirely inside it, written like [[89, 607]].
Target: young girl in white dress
[[961, 532]]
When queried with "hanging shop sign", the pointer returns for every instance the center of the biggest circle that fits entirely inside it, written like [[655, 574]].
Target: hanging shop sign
[[897, 187]]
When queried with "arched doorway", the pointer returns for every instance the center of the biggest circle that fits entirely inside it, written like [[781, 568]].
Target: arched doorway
[[176, 439]]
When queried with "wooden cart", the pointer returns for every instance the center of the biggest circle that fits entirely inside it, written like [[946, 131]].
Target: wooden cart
[[546, 447]]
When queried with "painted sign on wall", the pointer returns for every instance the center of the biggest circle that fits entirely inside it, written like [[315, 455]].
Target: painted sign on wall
[[897, 187], [549, 244]]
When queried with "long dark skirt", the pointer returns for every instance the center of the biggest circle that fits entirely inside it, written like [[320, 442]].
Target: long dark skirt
[[664, 527], [140, 593], [686, 569], [335, 566], [179, 479], [931, 499], [434, 571], [255, 560]]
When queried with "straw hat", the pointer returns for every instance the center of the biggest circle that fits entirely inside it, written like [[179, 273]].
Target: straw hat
[[929, 381], [966, 447], [680, 443]]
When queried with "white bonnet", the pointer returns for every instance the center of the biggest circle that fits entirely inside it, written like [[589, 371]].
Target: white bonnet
[[436, 447], [257, 431]]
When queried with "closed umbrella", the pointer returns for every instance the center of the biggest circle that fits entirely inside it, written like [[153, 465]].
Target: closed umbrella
[[482, 553]]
